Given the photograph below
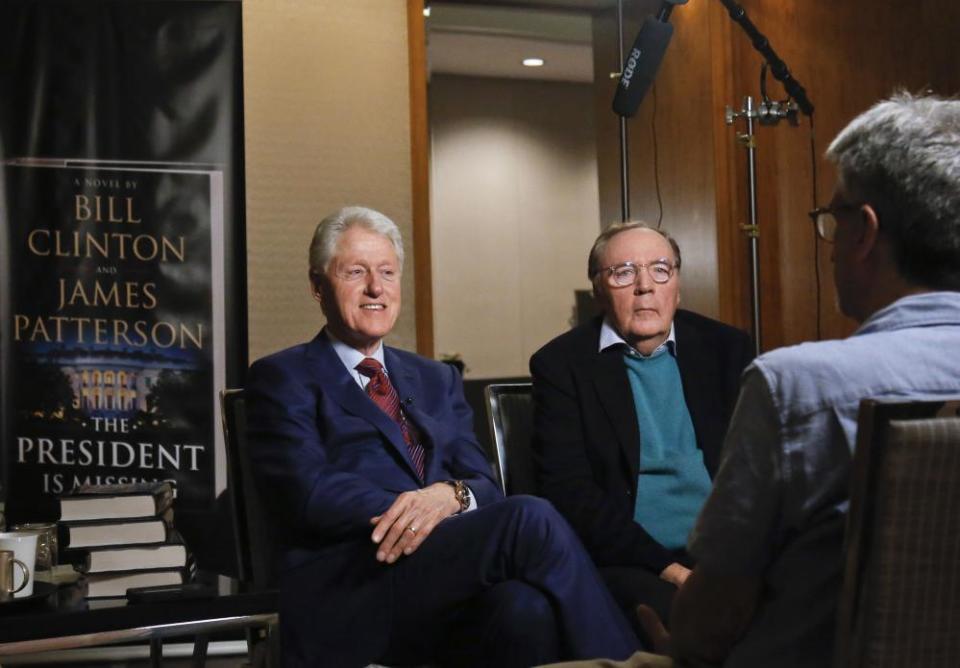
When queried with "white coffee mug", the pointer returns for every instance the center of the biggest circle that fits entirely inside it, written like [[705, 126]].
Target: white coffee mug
[[24, 547]]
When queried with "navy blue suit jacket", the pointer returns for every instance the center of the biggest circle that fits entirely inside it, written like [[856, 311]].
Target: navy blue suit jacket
[[327, 460]]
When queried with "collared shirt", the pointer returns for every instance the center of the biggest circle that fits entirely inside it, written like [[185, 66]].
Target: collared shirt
[[351, 357], [609, 337], [781, 495]]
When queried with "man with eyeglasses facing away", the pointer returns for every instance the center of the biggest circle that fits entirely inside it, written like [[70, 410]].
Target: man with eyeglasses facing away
[[769, 541], [396, 545], [630, 410]]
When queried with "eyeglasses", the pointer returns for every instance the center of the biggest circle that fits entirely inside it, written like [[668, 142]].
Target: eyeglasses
[[825, 218], [622, 275]]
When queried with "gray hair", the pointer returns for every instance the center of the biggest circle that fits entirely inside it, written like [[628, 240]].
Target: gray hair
[[325, 238], [612, 230], [902, 156]]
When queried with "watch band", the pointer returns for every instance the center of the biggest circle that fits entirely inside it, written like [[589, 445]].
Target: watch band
[[461, 493]]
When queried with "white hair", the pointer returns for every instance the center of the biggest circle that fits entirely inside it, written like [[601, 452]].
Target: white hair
[[902, 156], [325, 237]]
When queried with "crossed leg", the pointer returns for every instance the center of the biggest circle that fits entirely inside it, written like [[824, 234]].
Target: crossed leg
[[474, 564]]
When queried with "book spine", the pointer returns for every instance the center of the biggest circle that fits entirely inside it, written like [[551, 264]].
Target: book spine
[[63, 535], [78, 557]]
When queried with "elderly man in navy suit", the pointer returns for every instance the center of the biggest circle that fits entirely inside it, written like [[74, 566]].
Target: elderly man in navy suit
[[397, 544]]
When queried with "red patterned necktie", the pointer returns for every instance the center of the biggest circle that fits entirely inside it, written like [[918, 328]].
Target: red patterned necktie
[[384, 395]]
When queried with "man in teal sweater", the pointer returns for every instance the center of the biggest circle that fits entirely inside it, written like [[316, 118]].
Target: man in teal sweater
[[630, 410]]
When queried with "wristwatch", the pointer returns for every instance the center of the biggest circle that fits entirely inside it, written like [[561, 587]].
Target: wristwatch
[[461, 492]]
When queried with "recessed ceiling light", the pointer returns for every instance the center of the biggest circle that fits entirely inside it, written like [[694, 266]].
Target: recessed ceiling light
[[533, 62]]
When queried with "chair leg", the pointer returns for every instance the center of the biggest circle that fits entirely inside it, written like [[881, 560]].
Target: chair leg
[[200, 644], [156, 652], [263, 647]]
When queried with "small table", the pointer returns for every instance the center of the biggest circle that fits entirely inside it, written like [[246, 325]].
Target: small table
[[65, 621]]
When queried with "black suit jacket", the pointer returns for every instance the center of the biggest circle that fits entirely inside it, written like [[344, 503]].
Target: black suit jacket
[[586, 437]]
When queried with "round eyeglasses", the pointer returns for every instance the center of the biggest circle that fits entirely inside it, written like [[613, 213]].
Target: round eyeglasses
[[624, 274], [825, 219]]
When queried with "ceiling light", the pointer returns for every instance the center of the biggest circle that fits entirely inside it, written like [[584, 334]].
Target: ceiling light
[[426, 11], [533, 62]]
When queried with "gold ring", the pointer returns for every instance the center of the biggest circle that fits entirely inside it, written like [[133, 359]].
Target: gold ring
[[412, 530]]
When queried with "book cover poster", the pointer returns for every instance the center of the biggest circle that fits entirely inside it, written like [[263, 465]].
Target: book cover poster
[[122, 281], [115, 318]]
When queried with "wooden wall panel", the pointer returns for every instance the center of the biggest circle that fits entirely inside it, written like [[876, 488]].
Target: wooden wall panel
[[420, 173], [730, 190], [848, 55]]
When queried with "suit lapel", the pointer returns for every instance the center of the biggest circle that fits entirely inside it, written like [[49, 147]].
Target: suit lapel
[[341, 387], [613, 389], [404, 378], [695, 366]]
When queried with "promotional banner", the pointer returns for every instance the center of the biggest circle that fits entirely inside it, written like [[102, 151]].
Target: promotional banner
[[121, 306], [115, 286]]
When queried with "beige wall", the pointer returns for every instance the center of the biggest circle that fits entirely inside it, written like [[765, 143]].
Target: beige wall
[[514, 212], [326, 88]]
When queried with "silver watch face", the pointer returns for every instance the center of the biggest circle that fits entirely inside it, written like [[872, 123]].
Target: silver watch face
[[462, 494]]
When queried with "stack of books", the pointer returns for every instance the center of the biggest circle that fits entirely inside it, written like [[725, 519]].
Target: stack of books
[[122, 536]]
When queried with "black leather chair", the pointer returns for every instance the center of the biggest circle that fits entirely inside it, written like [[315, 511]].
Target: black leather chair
[[254, 535], [900, 604], [510, 415]]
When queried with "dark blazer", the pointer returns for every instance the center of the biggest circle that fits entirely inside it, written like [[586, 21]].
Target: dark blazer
[[587, 441], [327, 460]]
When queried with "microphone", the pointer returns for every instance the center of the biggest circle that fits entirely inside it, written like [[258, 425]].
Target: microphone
[[643, 60]]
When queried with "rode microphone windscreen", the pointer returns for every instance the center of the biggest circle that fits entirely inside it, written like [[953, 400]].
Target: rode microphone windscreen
[[641, 65]]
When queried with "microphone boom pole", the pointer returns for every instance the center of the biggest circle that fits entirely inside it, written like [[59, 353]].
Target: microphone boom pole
[[777, 66]]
